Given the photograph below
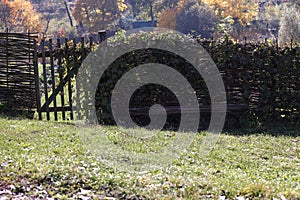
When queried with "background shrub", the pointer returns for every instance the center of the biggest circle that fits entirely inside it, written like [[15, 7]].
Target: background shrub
[[197, 19]]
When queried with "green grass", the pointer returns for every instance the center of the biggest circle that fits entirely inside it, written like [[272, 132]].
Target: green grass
[[43, 159]]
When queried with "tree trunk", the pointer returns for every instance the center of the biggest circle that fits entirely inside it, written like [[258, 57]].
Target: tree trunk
[[48, 19], [151, 12], [69, 14], [88, 19]]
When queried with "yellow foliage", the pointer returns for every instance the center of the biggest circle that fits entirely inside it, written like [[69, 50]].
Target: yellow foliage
[[122, 6], [98, 14], [22, 16], [243, 10], [181, 3]]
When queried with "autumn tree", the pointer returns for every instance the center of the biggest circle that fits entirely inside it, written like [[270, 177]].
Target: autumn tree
[[167, 19], [289, 29], [197, 19], [151, 9], [143, 7], [242, 11], [49, 10], [19, 15], [169, 9], [234, 15], [96, 15], [4, 14]]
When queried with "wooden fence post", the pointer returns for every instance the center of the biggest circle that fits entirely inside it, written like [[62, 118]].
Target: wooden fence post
[[61, 69], [78, 96], [37, 81], [53, 78], [70, 81], [45, 79], [102, 36], [91, 42]]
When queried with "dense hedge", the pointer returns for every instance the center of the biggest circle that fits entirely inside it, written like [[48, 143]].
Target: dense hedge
[[263, 76]]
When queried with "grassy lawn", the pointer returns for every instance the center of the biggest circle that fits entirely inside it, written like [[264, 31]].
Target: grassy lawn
[[48, 159]]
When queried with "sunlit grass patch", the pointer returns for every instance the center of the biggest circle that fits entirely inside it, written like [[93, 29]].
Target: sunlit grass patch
[[43, 159]]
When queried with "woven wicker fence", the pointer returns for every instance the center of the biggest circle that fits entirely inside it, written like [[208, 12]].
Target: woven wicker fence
[[17, 81]]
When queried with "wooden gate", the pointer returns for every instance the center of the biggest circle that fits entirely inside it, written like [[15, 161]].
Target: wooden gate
[[58, 63], [17, 80]]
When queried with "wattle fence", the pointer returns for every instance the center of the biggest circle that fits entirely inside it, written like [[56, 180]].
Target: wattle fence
[[17, 77]]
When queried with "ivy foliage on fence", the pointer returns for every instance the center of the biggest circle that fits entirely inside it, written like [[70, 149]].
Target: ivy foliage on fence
[[263, 76]]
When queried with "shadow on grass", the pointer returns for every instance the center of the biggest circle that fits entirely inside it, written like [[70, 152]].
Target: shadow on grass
[[232, 126], [277, 130], [248, 123]]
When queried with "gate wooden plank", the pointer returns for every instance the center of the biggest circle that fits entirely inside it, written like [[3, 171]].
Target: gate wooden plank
[[70, 84], [59, 109], [69, 89], [61, 88], [45, 80], [53, 79], [37, 82]]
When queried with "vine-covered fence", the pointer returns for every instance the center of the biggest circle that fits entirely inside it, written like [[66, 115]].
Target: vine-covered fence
[[264, 76]]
